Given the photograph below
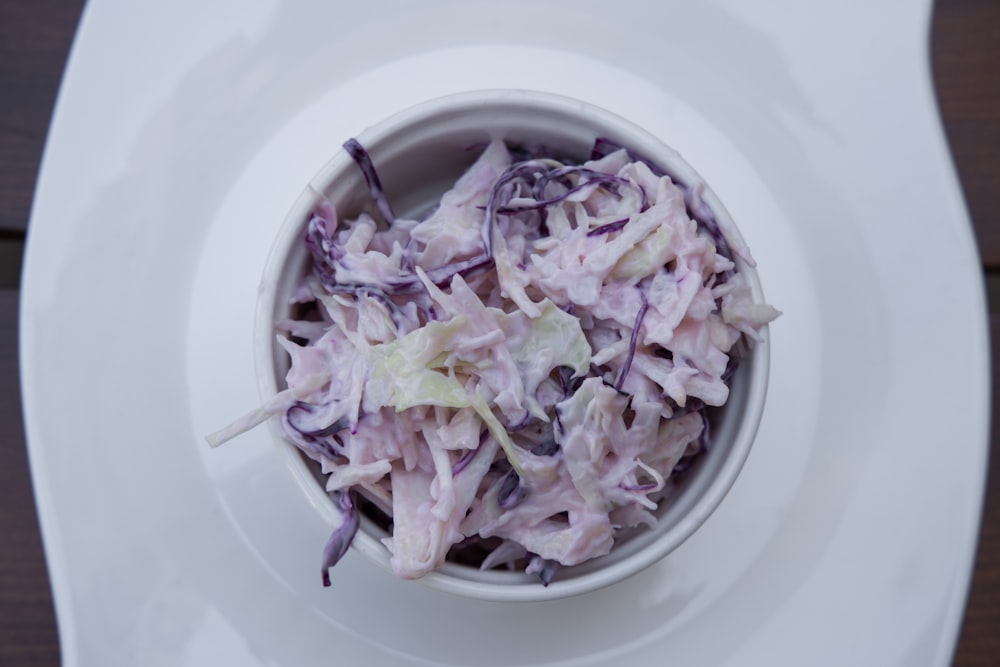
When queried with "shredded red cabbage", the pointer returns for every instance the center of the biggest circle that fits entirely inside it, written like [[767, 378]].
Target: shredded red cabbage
[[633, 341], [341, 538], [364, 162]]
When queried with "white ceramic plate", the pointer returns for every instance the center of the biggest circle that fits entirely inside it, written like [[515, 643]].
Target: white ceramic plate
[[183, 133]]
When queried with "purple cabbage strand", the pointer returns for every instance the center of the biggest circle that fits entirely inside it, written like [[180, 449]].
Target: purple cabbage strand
[[341, 538]]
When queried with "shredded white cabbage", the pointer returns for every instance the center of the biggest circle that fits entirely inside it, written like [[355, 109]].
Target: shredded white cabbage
[[519, 374]]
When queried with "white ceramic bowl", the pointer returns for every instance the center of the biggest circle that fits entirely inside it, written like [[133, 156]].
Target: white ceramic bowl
[[419, 153]]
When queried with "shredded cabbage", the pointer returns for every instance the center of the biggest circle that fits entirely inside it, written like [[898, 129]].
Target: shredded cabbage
[[515, 378]]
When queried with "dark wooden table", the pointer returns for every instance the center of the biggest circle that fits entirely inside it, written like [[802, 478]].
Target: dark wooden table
[[34, 40]]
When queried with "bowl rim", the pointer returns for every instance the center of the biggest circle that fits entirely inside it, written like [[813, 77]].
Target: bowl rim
[[493, 586]]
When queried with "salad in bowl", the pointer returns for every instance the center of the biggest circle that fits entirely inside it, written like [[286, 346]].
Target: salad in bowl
[[514, 346]]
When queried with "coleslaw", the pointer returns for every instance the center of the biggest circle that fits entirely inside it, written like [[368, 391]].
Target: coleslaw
[[515, 379]]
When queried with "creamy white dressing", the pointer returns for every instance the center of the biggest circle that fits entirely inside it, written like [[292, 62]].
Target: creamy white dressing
[[576, 347]]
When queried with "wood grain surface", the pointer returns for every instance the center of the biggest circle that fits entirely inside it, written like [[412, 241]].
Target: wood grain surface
[[35, 38]]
